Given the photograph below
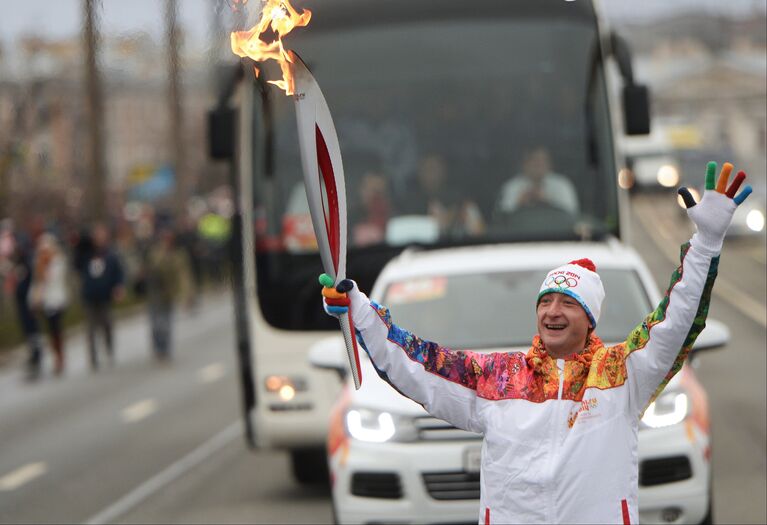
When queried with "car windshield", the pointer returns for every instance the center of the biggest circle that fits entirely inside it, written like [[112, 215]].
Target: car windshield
[[500, 311], [451, 130]]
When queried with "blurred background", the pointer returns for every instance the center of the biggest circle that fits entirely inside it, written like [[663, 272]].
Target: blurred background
[[103, 115]]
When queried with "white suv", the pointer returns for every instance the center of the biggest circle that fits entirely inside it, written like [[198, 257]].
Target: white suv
[[392, 462]]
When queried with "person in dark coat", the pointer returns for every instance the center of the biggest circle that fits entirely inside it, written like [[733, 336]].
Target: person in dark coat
[[101, 276], [22, 261]]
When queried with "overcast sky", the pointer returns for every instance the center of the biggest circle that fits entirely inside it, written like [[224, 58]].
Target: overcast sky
[[59, 18]]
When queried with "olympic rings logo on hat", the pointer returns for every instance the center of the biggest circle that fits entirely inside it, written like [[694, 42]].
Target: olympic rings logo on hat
[[561, 281]]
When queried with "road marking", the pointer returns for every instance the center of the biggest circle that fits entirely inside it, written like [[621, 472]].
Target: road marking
[[725, 290], [212, 372], [138, 411], [167, 476], [22, 475]]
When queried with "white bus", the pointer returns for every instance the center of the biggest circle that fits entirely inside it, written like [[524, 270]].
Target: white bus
[[440, 106]]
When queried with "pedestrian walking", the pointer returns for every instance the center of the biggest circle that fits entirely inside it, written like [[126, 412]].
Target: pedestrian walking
[[20, 281], [543, 460], [188, 239], [101, 276], [168, 281], [49, 294]]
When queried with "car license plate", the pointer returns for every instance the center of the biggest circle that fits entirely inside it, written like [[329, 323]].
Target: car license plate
[[472, 459]]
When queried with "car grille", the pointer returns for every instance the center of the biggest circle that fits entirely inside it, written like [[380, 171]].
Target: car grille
[[664, 470], [384, 485], [433, 429], [452, 485]]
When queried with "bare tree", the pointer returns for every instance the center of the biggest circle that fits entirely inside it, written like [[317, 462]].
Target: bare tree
[[176, 138], [95, 194]]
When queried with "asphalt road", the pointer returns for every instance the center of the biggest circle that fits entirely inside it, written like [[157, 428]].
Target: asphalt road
[[143, 442], [149, 443]]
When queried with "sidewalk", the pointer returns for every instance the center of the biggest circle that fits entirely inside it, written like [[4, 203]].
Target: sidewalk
[[128, 319]]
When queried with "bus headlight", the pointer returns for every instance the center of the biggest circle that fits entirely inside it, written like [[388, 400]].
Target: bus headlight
[[668, 176], [284, 386], [668, 409]]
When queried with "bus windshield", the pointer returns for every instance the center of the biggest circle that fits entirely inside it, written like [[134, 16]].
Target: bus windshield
[[452, 131]]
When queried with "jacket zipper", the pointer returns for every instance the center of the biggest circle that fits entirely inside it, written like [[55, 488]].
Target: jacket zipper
[[560, 364]]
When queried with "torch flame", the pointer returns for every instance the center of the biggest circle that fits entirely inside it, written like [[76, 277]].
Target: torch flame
[[281, 18]]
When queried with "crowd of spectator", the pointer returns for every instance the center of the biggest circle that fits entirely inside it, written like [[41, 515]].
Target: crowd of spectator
[[52, 274]]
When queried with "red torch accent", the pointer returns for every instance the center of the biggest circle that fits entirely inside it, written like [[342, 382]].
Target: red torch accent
[[331, 219], [625, 511]]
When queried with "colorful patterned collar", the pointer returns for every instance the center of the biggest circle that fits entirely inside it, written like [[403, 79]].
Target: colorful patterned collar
[[537, 354]]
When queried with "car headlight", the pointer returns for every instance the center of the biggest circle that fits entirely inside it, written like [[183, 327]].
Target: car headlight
[[755, 220], [668, 176], [376, 426], [668, 409]]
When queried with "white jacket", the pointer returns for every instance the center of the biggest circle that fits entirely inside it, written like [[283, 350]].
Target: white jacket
[[558, 447], [50, 291]]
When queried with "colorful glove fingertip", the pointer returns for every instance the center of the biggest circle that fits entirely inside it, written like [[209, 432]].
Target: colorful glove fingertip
[[689, 200], [724, 176], [326, 280], [711, 175], [337, 310], [720, 184], [733, 189], [336, 301], [345, 286], [743, 195]]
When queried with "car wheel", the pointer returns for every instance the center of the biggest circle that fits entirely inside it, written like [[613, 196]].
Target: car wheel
[[310, 466]]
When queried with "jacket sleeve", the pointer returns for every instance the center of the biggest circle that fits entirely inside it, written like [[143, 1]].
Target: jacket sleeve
[[443, 381], [656, 349]]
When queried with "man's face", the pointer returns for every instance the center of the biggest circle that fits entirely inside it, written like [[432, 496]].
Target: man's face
[[562, 324]]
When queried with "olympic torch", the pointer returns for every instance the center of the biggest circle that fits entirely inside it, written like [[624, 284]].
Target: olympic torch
[[318, 144], [325, 188]]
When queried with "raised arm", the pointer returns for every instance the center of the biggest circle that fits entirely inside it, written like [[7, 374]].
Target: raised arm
[[443, 381], [657, 348]]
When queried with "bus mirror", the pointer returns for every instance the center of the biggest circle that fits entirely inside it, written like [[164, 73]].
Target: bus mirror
[[221, 132], [330, 354], [636, 109]]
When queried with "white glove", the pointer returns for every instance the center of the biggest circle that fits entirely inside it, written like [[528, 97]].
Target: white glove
[[712, 216]]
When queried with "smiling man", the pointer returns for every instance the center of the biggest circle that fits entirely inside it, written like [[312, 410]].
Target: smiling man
[[568, 308], [560, 422]]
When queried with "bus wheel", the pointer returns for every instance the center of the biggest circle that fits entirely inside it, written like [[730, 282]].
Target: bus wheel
[[310, 466]]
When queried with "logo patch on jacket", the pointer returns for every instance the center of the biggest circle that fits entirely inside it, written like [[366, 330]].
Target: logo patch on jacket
[[583, 411]]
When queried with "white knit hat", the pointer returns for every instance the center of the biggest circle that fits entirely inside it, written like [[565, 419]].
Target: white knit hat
[[578, 279]]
